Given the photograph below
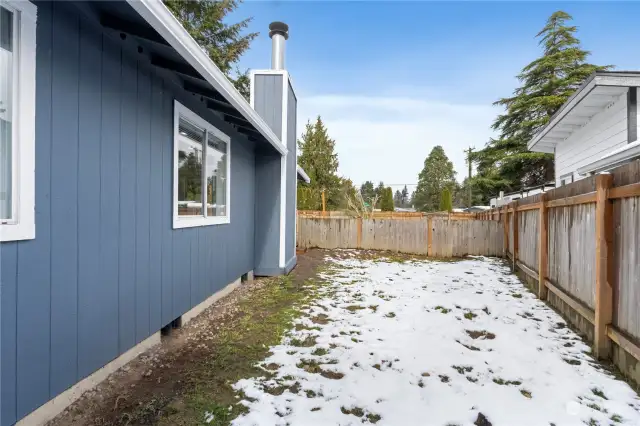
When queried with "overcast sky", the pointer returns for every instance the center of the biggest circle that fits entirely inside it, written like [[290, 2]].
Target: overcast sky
[[392, 80]]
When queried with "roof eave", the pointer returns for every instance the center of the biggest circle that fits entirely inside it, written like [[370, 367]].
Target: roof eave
[[598, 78], [303, 174], [163, 21]]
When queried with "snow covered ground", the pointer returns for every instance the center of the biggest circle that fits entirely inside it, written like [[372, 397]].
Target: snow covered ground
[[433, 343]]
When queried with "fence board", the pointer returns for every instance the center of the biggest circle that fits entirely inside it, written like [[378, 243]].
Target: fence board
[[510, 215], [627, 264], [572, 251], [528, 238]]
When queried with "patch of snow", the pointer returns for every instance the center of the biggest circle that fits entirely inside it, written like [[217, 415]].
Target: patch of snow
[[433, 343]]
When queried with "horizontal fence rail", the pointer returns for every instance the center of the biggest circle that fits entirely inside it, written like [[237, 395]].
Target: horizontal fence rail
[[578, 246], [384, 215]]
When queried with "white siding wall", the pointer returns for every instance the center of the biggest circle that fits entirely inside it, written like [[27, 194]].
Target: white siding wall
[[605, 132]]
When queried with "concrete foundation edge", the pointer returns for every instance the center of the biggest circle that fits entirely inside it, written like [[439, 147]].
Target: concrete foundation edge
[[198, 309], [57, 405], [274, 272]]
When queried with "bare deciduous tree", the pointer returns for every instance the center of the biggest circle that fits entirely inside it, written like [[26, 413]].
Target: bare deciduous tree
[[357, 206]]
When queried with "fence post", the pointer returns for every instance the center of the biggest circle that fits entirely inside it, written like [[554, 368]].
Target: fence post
[[505, 219], [543, 247], [359, 233], [515, 234], [604, 267], [429, 235]]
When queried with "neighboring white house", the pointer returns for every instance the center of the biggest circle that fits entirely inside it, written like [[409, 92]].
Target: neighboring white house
[[503, 198], [595, 130]]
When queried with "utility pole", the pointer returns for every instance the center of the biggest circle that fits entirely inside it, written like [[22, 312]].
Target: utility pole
[[469, 151], [324, 204]]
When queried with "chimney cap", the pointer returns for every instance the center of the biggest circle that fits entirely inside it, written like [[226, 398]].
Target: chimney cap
[[278, 27]]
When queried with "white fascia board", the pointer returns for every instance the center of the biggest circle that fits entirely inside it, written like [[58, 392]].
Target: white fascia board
[[629, 152], [303, 174], [163, 21], [620, 79]]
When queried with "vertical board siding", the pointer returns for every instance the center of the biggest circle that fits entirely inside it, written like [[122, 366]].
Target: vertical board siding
[[109, 190], [142, 182], [451, 238], [127, 240], [165, 138], [90, 115], [267, 100], [572, 248], [528, 227], [267, 213], [64, 199], [156, 204], [627, 254], [110, 269], [9, 279]]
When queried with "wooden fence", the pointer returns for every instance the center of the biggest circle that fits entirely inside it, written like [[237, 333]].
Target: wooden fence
[[578, 246], [432, 236]]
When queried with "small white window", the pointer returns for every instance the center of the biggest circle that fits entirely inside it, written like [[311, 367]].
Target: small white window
[[17, 119], [201, 170]]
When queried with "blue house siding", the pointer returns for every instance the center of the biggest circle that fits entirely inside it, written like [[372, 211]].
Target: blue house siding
[[267, 214], [267, 100], [290, 236], [106, 269]]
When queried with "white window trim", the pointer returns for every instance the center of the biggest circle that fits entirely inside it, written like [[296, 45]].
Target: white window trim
[[193, 221], [22, 224]]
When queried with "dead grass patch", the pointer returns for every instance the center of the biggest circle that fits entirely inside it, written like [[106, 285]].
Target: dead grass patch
[[480, 334]]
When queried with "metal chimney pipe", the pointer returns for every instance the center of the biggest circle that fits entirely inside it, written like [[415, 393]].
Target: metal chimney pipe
[[279, 32]]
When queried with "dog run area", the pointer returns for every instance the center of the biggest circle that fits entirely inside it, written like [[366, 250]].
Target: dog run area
[[397, 341]]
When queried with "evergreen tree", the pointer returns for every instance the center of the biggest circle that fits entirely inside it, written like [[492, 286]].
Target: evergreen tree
[[546, 83], [206, 22], [367, 191], [461, 195], [397, 198], [386, 202], [404, 197], [446, 204], [318, 158], [436, 175], [379, 192]]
